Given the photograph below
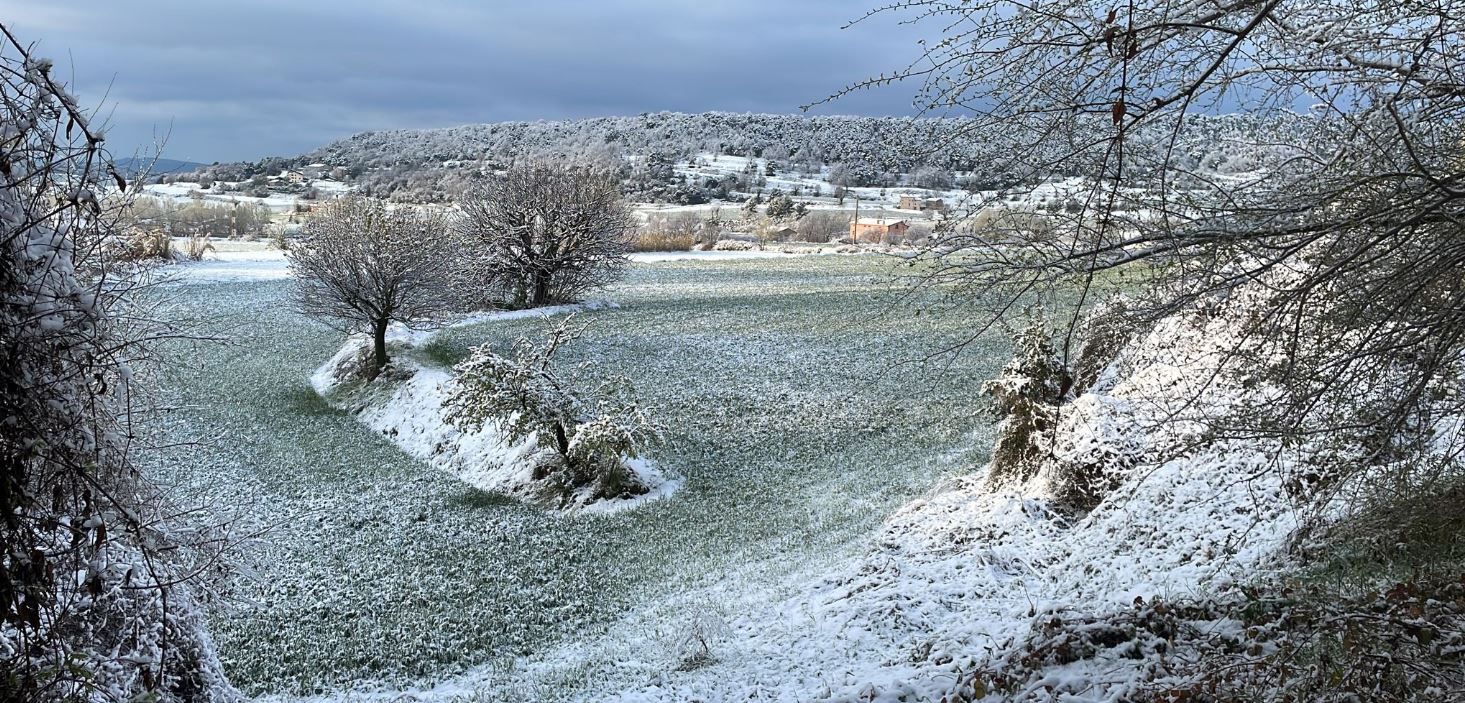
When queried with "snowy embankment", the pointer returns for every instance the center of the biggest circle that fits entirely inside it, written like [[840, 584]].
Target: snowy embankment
[[959, 580], [406, 406]]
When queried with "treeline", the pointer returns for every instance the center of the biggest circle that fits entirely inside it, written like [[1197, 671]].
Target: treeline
[[438, 165]]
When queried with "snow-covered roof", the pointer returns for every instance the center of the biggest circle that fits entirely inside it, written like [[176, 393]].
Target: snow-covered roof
[[878, 221]]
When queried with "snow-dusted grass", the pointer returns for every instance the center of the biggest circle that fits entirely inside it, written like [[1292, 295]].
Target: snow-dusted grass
[[794, 428], [240, 262], [964, 573]]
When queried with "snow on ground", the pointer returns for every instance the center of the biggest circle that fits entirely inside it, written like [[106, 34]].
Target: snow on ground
[[184, 192], [178, 190], [896, 615], [783, 445], [265, 264], [410, 413], [787, 415], [230, 267], [962, 572]]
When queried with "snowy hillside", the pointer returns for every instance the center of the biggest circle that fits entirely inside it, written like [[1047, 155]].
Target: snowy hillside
[[435, 165]]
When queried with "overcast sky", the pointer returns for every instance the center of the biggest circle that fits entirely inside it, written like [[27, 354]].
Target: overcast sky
[[251, 78]]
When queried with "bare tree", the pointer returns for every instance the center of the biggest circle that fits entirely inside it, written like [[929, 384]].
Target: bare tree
[[547, 232], [932, 177], [96, 599], [1349, 215], [822, 226], [365, 266]]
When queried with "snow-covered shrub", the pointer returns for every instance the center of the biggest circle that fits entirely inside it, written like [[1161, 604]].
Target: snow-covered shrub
[[1081, 444], [689, 644], [1025, 399], [153, 245], [1096, 442], [1103, 335], [96, 574], [733, 245], [585, 438], [780, 206]]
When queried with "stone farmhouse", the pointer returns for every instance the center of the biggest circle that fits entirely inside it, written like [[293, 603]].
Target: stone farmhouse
[[878, 231]]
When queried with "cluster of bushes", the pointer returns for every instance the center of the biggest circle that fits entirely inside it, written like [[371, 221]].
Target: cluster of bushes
[[156, 245], [199, 218], [148, 229], [675, 232]]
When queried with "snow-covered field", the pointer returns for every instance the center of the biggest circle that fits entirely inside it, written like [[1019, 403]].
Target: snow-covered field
[[246, 261], [832, 537], [256, 263], [791, 419], [962, 573], [184, 192]]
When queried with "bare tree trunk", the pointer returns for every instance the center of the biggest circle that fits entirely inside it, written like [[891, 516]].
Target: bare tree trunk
[[562, 445], [379, 347], [562, 440], [540, 289]]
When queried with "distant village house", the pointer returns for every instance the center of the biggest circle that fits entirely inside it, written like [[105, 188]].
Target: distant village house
[[782, 233], [912, 202], [872, 231], [313, 171]]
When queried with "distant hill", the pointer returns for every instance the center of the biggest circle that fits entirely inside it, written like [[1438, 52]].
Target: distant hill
[[436, 165], [132, 166]]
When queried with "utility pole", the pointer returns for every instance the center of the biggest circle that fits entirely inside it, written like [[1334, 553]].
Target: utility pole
[[854, 227]]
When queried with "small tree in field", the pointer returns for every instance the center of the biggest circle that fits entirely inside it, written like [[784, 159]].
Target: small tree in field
[[365, 267], [780, 206], [548, 232], [585, 438]]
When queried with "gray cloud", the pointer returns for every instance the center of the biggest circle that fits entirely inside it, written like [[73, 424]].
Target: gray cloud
[[234, 80]]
